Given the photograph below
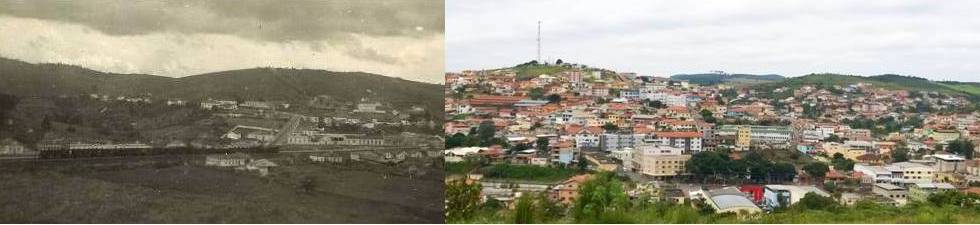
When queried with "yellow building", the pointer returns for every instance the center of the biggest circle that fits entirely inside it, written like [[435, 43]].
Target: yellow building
[[944, 136], [849, 152], [660, 162], [743, 138]]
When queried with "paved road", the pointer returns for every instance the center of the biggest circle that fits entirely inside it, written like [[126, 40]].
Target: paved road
[[287, 129]]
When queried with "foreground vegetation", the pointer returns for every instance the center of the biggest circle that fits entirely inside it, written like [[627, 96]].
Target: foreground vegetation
[[603, 200], [528, 173], [177, 189]]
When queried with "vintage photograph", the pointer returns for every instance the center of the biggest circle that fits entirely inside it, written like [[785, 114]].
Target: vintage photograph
[[221, 111], [652, 112]]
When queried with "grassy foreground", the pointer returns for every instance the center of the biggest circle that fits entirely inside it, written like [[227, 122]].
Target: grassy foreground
[[190, 193]]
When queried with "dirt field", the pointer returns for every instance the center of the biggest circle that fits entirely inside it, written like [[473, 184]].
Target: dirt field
[[180, 190]]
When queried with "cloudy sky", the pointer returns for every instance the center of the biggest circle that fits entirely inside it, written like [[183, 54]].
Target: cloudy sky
[[399, 38], [938, 40]]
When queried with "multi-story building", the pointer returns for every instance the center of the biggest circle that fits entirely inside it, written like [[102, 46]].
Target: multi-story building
[[659, 161], [948, 163], [585, 137], [897, 194], [664, 97], [770, 135], [902, 173], [619, 141], [906, 173], [743, 138], [690, 141]]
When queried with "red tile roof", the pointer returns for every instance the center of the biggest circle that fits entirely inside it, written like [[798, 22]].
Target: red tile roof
[[679, 134]]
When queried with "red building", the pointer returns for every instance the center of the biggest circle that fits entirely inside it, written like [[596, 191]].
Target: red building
[[754, 191]]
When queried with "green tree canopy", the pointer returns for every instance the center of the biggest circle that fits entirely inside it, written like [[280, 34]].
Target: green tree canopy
[[542, 144], [961, 147], [487, 131], [462, 200], [813, 201], [524, 210], [599, 199], [900, 155], [536, 93], [816, 169]]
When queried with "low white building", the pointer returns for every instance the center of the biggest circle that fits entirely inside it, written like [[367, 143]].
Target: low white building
[[790, 193]]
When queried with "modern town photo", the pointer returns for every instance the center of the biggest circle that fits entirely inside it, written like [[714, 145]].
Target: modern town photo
[[712, 112]]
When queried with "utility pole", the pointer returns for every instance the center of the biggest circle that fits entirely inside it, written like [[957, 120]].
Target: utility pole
[[539, 41]]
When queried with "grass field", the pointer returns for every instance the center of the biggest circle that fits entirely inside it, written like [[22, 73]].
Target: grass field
[[531, 71], [968, 88], [527, 173], [183, 191]]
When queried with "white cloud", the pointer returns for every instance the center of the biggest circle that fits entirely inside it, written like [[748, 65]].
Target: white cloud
[[937, 40], [177, 54]]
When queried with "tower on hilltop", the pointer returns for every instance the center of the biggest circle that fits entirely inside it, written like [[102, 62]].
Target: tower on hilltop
[[539, 41]]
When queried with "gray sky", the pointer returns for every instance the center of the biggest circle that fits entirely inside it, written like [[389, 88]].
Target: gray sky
[[939, 40], [399, 38]]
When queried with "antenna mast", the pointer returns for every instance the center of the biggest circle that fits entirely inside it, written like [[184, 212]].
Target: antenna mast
[[539, 41]]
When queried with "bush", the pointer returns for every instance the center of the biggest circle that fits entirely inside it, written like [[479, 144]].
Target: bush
[[532, 173]]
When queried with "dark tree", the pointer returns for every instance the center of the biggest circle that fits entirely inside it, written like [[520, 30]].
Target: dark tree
[[816, 170], [536, 93], [900, 155], [456, 140], [554, 98], [610, 127], [657, 104], [815, 201], [961, 147], [542, 144], [841, 163], [486, 132]]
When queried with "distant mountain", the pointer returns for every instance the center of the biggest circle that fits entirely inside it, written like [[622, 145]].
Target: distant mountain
[[886, 81], [718, 78], [25, 79]]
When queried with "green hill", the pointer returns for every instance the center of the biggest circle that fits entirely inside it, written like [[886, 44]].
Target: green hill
[[531, 69], [718, 78], [887, 81], [968, 87], [297, 85]]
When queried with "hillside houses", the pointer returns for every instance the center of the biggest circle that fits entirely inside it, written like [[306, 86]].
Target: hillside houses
[[647, 129]]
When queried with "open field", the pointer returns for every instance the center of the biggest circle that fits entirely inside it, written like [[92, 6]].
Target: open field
[[178, 189]]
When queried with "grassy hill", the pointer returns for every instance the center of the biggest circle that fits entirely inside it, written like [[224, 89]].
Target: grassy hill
[[968, 87], [717, 78], [532, 69], [25, 79], [887, 81]]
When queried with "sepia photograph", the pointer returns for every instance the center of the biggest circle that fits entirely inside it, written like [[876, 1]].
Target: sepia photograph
[[489, 112], [221, 111], [691, 112]]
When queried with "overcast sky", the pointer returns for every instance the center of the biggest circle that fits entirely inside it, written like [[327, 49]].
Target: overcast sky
[[399, 38], [939, 40]]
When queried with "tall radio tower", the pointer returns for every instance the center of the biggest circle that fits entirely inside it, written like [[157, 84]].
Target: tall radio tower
[[539, 41]]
